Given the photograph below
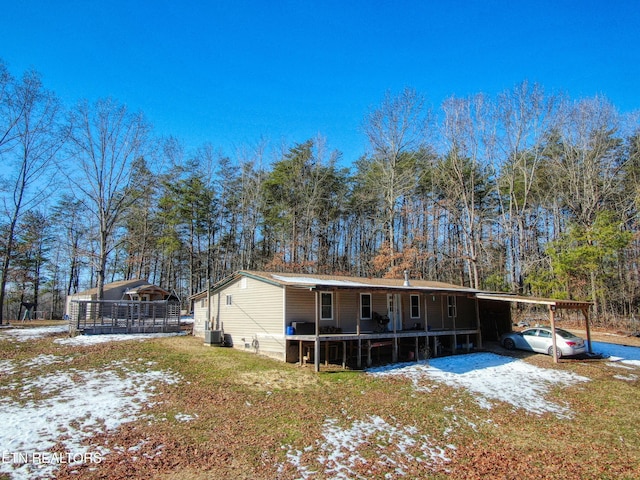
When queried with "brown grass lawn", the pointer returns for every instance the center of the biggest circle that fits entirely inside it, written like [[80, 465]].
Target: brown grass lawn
[[237, 415]]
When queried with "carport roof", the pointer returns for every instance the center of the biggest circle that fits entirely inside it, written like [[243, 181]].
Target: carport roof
[[505, 297]]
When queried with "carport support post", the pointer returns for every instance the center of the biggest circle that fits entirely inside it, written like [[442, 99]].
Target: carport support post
[[552, 319], [585, 312], [478, 327]]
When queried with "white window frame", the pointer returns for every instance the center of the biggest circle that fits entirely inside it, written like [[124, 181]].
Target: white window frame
[[417, 304], [228, 300], [363, 317], [322, 317]]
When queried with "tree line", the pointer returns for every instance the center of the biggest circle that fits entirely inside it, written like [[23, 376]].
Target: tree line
[[523, 191]]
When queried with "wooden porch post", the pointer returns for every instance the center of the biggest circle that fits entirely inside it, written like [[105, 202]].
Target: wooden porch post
[[552, 319], [585, 312], [396, 308], [478, 327], [316, 353], [302, 362], [455, 337]]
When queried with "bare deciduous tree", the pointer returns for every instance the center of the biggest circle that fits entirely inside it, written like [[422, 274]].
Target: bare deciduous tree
[[463, 176], [396, 131], [105, 141], [525, 117], [32, 138]]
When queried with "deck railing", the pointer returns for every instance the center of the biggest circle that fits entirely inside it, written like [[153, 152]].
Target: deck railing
[[124, 316]]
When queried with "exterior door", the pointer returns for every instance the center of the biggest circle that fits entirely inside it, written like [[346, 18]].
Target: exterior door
[[394, 311]]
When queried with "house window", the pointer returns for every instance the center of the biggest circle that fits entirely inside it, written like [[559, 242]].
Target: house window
[[365, 306], [451, 305], [415, 306], [203, 302], [326, 306], [229, 300]]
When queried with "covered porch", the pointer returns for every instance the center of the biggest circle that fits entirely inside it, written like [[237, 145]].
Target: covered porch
[[355, 326]]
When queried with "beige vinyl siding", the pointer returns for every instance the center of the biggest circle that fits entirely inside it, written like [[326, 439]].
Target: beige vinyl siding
[[69, 307], [254, 319], [379, 301], [348, 309], [435, 311], [199, 316], [300, 305]]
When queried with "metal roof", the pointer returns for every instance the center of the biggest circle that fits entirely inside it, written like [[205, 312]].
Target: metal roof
[[505, 297], [318, 281]]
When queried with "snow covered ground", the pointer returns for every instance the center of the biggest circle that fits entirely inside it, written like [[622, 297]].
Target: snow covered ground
[[84, 340], [396, 446], [76, 405], [493, 378], [57, 412], [490, 377], [26, 334]]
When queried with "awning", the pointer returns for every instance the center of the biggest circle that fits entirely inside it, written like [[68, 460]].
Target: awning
[[564, 304], [553, 304]]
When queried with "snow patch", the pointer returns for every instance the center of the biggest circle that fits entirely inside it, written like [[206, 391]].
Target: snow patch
[[491, 378], [65, 409], [26, 334], [185, 417], [340, 452], [87, 340]]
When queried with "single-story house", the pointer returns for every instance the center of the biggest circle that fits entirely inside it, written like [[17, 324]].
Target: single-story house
[[300, 317], [306, 317]]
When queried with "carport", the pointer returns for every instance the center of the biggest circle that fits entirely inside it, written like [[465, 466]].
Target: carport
[[553, 305]]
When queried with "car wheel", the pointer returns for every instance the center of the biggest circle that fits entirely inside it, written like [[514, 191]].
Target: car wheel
[[558, 351], [509, 344]]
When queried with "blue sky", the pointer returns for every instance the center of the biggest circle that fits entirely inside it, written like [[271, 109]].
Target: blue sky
[[234, 72]]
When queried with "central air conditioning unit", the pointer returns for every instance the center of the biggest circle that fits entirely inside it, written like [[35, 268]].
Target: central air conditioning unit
[[213, 337]]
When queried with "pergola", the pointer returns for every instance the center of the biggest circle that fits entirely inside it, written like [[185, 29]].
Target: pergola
[[553, 306]]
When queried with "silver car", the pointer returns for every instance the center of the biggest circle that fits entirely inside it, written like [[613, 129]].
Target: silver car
[[538, 339]]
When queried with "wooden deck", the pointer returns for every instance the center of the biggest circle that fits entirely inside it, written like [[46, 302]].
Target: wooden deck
[[93, 317]]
